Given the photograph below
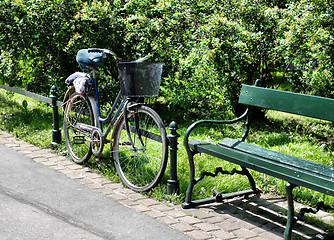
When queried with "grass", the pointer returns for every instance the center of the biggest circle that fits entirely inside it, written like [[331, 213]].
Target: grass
[[26, 119], [31, 121]]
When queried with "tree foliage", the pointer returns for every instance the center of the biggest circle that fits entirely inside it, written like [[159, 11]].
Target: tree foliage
[[309, 42], [209, 48]]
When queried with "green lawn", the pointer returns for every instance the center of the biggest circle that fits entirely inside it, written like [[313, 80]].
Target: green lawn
[[31, 121]]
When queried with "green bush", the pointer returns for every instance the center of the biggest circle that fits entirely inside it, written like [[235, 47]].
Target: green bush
[[308, 43], [208, 48]]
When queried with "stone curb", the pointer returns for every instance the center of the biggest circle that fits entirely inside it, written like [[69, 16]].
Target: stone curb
[[260, 217]]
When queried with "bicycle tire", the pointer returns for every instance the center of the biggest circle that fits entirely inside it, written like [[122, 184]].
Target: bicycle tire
[[78, 141], [142, 168]]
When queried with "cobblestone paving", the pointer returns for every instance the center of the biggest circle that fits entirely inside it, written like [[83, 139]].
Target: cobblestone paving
[[259, 217]]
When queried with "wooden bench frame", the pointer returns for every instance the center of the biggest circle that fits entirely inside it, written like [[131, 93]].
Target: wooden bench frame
[[295, 171]]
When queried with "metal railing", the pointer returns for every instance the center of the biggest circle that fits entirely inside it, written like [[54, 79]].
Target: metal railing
[[31, 95]]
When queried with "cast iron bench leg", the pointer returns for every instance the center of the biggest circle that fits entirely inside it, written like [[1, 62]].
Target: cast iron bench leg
[[187, 203], [291, 211]]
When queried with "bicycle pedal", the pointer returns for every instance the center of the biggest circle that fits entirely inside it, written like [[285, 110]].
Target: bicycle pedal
[[125, 143], [79, 139]]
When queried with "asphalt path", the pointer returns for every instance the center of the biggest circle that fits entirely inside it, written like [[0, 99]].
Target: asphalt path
[[37, 202]]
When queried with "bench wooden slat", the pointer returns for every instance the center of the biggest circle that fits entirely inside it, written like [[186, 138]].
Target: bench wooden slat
[[289, 160], [265, 165], [301, 104]]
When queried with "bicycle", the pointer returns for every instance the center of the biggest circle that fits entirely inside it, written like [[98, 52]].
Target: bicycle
[[139, 146]]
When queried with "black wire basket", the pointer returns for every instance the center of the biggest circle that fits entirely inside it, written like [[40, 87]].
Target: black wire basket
[[139, 79]]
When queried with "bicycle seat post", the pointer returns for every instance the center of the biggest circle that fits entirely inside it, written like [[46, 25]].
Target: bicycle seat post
[[96, 96]]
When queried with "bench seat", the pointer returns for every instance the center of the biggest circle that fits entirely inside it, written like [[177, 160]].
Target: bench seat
[[298, 171], [294, 170]]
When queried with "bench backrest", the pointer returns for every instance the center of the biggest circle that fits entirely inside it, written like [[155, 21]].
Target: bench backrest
[[296, 103]]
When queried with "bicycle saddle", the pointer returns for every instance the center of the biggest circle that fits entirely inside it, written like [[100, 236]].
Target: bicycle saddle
[[89, 60]]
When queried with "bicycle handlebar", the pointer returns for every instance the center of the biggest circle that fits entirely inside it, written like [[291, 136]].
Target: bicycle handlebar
[[117, 59], [143, 59], [104, 52]]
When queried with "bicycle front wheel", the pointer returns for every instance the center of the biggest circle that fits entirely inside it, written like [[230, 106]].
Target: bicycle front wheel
[[78, 112], [141, 163]]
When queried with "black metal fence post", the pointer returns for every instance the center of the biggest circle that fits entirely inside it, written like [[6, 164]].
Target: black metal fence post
[[173, 182], [56, 134]]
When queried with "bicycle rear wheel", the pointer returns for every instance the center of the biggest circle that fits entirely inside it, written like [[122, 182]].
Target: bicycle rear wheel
[[78, 111], [141, 165]]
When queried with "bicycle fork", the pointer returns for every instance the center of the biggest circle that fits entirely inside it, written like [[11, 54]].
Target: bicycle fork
[[136, 130]]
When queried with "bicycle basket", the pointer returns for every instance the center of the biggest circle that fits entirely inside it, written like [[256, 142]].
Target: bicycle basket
[[139, 79]]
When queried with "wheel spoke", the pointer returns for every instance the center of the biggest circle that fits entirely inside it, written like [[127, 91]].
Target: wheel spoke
[[78, 142], [141, 166]]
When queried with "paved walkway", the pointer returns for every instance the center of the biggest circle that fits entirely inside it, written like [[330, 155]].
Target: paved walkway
[[259, 217]]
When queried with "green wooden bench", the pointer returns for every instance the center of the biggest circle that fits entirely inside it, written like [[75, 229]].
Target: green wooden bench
[[295, 171]]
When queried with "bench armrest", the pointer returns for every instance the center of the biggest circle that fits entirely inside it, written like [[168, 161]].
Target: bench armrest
[[201, 122]]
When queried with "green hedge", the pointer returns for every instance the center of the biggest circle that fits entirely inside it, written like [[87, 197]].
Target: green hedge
[[209, 48]]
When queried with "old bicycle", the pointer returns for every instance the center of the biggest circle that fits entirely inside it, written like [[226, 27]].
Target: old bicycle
[[138, 141]]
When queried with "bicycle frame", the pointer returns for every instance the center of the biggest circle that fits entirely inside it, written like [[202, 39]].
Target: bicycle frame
[[111, 118], [114, 113], [138, 143]]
